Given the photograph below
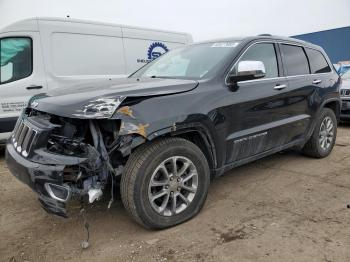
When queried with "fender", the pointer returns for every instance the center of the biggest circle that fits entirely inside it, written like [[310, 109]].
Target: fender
[[318, 113], [184, 128], [133, 124]]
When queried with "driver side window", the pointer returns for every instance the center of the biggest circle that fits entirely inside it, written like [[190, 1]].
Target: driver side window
[[15, 59], [265, 53]]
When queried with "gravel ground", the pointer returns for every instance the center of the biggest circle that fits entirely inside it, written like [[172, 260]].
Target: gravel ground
[[286, 207]]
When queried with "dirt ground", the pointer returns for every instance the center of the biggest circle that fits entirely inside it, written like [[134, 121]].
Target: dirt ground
[[286, 207]]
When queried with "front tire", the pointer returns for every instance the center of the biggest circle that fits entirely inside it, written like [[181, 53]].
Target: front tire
[[165, 182], [323, 138]]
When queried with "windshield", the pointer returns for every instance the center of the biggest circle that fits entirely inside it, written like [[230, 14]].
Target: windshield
[[191, 62], [346, 75]]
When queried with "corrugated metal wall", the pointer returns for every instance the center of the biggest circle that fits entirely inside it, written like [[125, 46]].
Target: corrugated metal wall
[[336, 42]]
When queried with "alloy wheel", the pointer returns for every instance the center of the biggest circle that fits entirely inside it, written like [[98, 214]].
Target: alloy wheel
[[326, 134], [173, 186]]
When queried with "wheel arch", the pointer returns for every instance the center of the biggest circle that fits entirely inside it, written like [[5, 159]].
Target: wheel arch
[[331, 103], [335, 105], [196, 133], [140, 128]]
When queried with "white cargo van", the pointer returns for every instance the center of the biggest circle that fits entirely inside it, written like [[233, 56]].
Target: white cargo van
[[41, 54]]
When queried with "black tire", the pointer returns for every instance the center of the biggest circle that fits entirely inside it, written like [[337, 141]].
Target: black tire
[[138, 172], [313, 147]]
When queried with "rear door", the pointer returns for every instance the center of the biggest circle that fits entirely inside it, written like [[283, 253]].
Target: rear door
[[320, 69], [300, 83], [22, 75]]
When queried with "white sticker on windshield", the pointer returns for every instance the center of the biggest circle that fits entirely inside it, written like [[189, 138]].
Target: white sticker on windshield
[[225, 44]]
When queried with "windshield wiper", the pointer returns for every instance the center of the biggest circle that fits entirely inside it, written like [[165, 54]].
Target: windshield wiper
[[154, 76], [164, 77]]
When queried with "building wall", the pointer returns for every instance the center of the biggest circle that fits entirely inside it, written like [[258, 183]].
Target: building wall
[[336, 42]]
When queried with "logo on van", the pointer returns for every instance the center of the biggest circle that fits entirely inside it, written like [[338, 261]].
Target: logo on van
[[156, 49]]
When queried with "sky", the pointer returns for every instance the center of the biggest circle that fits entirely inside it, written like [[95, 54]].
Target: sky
[[203, 19]]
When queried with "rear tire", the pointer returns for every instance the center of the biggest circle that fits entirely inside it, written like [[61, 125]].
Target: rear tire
[[159, 172], [323, 138]]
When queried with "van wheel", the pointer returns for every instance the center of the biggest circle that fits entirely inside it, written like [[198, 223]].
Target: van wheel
[[323, 138], [165, 182]]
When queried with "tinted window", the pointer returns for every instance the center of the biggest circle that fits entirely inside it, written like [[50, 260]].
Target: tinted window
[[264, 53], [294, 60], [318, 63], [15, 59]]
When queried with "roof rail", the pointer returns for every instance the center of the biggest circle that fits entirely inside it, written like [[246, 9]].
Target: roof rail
[[265, 35]]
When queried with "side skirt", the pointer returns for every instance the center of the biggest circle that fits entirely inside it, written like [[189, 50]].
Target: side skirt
[[222, 170]]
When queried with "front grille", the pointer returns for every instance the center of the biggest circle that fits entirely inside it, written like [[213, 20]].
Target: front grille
[[23, 137], [345, 92]]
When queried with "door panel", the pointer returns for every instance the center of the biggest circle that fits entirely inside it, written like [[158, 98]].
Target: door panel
[[300, 80], [264, 118], [266, 113]]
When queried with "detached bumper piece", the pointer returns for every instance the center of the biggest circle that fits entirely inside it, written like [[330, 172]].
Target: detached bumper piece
[[46, 180]]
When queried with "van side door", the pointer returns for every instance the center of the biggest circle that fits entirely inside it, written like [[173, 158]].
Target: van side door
[[22, 75]]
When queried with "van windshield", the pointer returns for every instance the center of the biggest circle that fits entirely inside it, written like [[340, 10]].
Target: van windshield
[[15, 58], [191, 62]]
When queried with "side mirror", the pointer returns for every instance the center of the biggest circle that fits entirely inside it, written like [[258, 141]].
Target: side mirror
[[247, 70]]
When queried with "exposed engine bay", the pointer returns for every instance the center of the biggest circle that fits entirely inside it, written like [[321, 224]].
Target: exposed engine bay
[[89, 154]]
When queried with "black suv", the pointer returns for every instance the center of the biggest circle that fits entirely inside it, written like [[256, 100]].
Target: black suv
[[184, 118]]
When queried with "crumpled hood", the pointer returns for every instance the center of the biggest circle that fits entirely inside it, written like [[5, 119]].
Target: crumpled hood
[[100, 101]]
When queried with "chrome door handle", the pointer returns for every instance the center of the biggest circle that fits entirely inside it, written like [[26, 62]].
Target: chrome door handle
[[317, 81], [280, 87]]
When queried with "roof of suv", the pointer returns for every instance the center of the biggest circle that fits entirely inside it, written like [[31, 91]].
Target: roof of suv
[[264, 37]]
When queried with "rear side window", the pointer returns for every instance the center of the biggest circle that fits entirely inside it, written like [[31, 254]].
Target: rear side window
[[295, 60], [318, 62], [15, 59]]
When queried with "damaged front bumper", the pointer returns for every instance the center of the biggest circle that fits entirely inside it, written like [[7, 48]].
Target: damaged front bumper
[[45, 180], [61, 158], [56, 165]]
